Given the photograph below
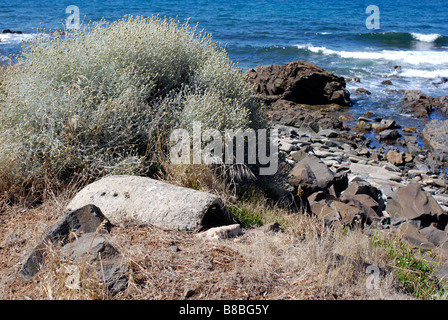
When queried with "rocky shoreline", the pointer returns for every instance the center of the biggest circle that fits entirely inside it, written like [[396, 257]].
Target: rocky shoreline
[[329, 165]]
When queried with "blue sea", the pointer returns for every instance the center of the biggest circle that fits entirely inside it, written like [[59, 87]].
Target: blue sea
[[333, 34]]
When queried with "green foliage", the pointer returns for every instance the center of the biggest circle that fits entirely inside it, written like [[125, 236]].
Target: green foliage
[[104, 99], [247, 217], [413, 268]]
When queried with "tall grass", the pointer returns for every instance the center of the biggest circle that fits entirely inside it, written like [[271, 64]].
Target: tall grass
[[103, 100]]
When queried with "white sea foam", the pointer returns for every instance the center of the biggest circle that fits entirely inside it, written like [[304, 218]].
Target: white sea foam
[[8, 38], [430, 74], [428, 57], [431, 37]]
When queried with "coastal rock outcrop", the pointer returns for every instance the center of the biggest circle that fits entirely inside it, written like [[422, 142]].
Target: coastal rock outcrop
[[300, 82], [422, 105]]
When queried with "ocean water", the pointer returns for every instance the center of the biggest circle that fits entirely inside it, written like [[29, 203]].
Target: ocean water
[[334, 35]]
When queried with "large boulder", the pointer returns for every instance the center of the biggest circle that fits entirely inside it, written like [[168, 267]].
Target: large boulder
[[312, 174], [300, 82], [435, 135], [411, 202], [147, 201]]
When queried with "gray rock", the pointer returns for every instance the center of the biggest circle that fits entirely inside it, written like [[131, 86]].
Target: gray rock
[[148, 201], [324, 176], [410, 233], [435, 135], [96, 255], [375, 172], [434, 235], [412, 145], [412, 202], [87, 219], [389, 134]]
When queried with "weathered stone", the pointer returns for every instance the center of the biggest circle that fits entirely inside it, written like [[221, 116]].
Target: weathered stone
[[408, 158], [87, 219], [328, 133], [410, 130], [374, 172], [421, 105], [362, 91], [221, 233], [434, 235], [395, 157], [389, 134], [348, 214], [148, 201], [300, 82], [346, 117], [412, 202], [389, 123], [362, 125], [410, 233], [96, 254], [378, 127], [435, 135], [369, 208], [324, 212], [357, 189], [324, 176], [303, 176]]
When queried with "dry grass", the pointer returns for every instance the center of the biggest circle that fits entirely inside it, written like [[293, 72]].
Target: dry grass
[[303, 262]]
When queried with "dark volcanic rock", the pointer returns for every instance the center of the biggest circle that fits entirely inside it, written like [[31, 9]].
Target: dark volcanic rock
[[12, 31], [289, 113], [300, 82], [85, 220], [362, 91]]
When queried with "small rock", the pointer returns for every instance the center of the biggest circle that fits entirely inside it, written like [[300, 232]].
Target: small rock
[[364, 152], [378, 127], [408, 158], [346, 117], [11, 31], [389, 134], [362, 91], [221, 233], [395, 157], [386, 82], [410, 130], [362, 125]]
